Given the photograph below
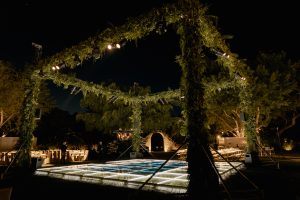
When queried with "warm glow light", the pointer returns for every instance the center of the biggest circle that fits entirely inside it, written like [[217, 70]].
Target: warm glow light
[[124, 136], [54, 68], [118, 46], [109, 46]]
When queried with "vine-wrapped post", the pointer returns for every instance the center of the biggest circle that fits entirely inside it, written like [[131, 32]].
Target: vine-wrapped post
[[203, 180], [28, 121], [249, 122], [136, 125], [250, 131]]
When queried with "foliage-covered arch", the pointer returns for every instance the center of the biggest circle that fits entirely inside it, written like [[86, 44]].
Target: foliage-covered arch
[[196, 30]]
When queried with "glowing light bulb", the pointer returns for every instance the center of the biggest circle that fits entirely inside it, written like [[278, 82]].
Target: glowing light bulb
[[53, 68], [118, 46], [109, 46]]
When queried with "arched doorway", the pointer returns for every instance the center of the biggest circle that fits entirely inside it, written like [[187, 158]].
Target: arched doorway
[[157, 142]]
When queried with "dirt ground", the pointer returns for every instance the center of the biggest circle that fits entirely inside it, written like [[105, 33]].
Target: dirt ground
[[268, 179]]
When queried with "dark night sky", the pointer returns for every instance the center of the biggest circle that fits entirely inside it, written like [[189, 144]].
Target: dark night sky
[[255, 24]]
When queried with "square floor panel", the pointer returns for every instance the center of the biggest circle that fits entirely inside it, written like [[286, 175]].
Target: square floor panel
[[134, 173]]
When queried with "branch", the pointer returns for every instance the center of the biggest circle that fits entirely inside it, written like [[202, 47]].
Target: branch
[[257, 120], [293, 123], [225, 123], [1, 117], [6, 120]]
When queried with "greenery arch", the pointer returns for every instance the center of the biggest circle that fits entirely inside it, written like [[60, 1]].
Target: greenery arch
[[197, 30]]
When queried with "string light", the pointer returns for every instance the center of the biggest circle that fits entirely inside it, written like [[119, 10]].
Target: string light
[[109, 46], [55, 68], [113, 46]]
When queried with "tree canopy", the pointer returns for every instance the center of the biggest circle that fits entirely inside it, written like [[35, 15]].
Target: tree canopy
[[11, 96], [109, 114], [12, 87], [274, 92]]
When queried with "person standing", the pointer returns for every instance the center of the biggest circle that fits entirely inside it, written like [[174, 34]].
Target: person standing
[[63, 149], [100, 151]]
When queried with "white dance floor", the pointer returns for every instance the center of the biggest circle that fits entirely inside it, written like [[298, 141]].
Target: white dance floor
[[133, 173]]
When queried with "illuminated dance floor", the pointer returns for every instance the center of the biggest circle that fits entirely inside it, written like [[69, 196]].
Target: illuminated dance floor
[[171, 178]]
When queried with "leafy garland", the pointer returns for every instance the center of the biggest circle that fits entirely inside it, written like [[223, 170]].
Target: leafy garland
[[96, 47], [89, 87], [28, 121], [137, 28], [135, 101], [136, 122]]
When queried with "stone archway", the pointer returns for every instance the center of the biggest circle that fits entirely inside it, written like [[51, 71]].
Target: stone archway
[[168, 144], [157, 142]]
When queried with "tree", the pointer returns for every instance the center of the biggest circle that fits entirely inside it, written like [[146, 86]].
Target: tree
[[104, 115], [11, 95], [223, 105], [274, 95], [107, 115], [277, 91], [158, 116], [58, 126]]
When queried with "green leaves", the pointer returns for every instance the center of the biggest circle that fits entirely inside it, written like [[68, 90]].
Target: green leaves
[[11, 97]]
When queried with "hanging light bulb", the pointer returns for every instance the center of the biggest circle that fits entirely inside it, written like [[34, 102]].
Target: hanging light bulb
[[118, 46], [109, 46]]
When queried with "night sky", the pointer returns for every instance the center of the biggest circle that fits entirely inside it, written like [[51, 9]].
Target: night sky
[[256, 25]]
